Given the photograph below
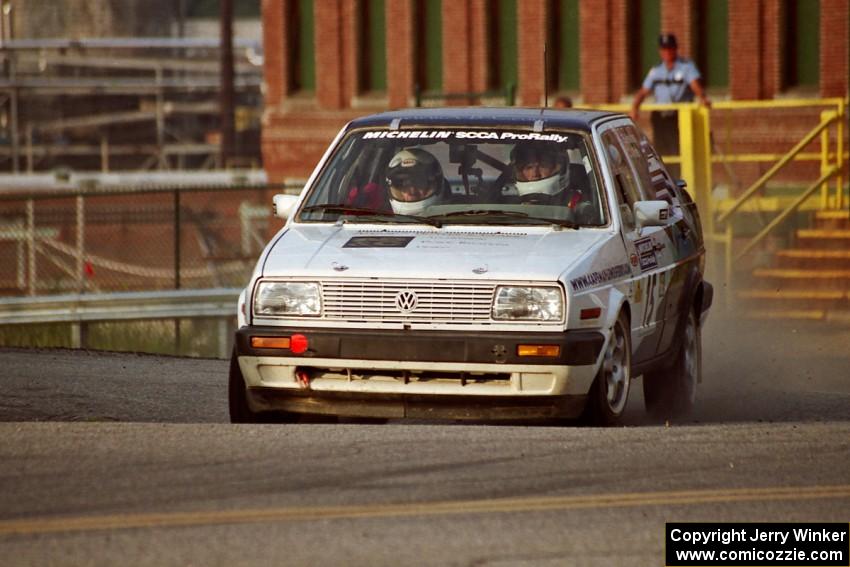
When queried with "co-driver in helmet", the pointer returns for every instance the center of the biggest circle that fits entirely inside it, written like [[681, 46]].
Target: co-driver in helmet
[[542, 175]]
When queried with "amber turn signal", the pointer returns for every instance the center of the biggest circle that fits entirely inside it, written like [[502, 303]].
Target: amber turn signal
[[269, 342], [592, 313], [538, 350]]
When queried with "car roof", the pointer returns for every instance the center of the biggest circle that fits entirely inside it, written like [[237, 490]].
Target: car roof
[[478, 116]]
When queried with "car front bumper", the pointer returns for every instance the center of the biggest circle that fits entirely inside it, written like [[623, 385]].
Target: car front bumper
[[432, 374]]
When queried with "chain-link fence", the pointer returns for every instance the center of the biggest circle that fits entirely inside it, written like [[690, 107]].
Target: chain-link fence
[[130, 239]]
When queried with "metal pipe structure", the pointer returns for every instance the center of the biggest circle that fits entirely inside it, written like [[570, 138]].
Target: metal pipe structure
[[126, 43], [228, 137]]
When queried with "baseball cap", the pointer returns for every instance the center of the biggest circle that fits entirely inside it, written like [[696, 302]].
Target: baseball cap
[[667, 40]]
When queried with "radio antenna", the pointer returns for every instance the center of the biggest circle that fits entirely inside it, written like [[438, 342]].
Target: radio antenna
[[545, 75]]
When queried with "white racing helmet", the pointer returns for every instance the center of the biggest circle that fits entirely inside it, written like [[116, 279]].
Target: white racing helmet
[[413, 207], [549, 161], [551, 185], [415, 179]]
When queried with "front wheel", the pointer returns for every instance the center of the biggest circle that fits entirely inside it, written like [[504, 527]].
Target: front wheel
[[671, 391], [610, 390]]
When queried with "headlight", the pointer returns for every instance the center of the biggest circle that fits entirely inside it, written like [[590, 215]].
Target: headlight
[[278, 299], [528, 303]]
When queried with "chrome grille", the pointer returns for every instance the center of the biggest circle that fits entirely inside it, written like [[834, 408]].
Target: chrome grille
[[436, 301]]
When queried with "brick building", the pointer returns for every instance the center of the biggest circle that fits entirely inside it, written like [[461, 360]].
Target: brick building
[[327, 61]]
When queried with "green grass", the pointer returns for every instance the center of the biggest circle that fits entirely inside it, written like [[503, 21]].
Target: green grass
[[198, 337], [41, 336]]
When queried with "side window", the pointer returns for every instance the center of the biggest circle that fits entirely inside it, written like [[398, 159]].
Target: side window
[[627, 188], [662, 183], [629, 139]]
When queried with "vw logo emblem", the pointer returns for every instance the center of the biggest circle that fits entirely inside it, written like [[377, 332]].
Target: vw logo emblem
[[406, 300]]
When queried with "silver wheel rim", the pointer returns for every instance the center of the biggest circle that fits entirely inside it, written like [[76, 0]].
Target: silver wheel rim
[[616, 371], [691, 347]]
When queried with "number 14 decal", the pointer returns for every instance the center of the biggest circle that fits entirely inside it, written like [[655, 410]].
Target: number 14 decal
[[656, 286]]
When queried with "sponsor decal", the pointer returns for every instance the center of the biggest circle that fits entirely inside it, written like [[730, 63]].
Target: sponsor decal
[[656, 297], [646, 253], [465, 135], [378, 241], [453, 241], [416, 134], [600, 277], [650, 301]]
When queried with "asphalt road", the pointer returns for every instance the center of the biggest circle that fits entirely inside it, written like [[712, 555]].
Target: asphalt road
[[112, 459]]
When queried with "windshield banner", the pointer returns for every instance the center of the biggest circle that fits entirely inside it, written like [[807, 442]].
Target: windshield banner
[[466, 135]]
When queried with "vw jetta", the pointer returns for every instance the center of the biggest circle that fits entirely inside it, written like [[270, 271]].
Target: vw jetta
[[477, 264]]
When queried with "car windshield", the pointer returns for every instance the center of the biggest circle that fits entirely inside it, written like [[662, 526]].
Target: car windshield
[[453, 176]]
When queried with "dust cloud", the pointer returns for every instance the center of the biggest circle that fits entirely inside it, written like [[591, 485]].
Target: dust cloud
[[768, 371]]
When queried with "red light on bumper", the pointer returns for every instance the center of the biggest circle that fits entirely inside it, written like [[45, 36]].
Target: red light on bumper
[[298, 344]]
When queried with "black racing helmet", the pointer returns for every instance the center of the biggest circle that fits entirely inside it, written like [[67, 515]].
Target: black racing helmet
[[414, 167], [415, 181]]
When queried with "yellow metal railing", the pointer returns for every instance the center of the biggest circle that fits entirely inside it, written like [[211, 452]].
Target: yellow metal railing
[[699, 151], [783, 161], [831, 163], [829, 174], [837, 108]]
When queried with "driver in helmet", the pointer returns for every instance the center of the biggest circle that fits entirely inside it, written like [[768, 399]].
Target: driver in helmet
[[415, 181]]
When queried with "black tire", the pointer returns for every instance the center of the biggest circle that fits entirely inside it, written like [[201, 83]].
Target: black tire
[[609, 393], [670, 392], [236, 397], [240, 411]]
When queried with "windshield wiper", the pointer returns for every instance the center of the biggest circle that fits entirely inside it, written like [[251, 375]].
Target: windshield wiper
[[510, 214], [361, 212]]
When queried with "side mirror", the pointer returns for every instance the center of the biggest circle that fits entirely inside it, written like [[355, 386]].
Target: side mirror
[[651, 213], [283, 204]]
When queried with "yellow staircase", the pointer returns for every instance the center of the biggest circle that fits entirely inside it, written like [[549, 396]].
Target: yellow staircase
[[810, 280]]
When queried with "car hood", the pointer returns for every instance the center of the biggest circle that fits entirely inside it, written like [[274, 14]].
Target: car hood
[[506, 253]]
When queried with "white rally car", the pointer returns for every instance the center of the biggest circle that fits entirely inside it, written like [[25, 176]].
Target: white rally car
[[477, 263]]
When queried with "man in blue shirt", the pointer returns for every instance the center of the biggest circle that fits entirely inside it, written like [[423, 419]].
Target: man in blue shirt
[[675, 79]]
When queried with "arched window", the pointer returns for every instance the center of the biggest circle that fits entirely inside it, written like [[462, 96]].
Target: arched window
[[563, 46], [643, 42], [301, 49], [372, 60], [712, 52], [502, 43], [429, 44], [642, 38], [801, 66]]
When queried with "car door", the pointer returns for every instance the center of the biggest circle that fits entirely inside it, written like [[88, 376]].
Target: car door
[[679, 237], [645, 248]]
